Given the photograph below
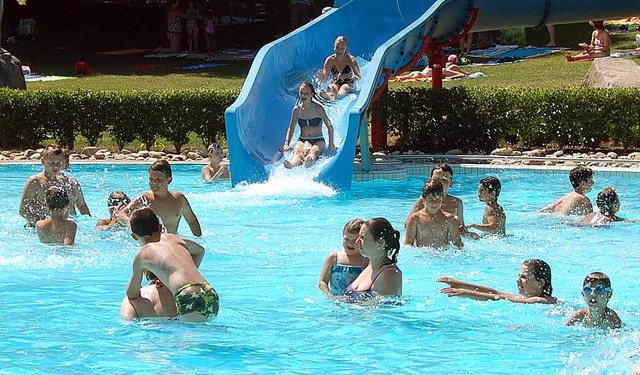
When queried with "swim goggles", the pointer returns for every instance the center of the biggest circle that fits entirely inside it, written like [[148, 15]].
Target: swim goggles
[[600, 289]]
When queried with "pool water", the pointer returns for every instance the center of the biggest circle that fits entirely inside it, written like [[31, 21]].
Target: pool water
[[265, 246]]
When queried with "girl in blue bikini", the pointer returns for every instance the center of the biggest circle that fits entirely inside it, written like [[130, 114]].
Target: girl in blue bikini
[[309, 115], [340, 269], [379, 242]]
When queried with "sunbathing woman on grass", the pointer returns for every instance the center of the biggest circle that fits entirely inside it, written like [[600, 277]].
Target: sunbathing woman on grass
[[600, 45], [451, 70]]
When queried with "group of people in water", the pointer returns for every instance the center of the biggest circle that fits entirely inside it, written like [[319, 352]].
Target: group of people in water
[[169, 261], [366, 269]]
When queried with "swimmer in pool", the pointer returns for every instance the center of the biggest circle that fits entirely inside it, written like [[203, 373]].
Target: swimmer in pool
[[493, 219], [32, 203], [309, 115], [575, 202], [431, 226], [117, 201], [596, 291], [534, 286], [341, 268], [170, 205], [608, 203], [444, 173], [379, 242], [217, 168], [57, 228], [175, 261]]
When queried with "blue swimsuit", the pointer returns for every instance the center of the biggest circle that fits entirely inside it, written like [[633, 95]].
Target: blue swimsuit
[[342, 276]]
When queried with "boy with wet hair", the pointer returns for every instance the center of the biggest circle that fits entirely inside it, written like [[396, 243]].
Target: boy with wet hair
[[431, 226], [57, 228], [117, 201], [608, 203], [575, 202], [217, 168], [174, 261], [596, 291], [170, 205], [494, 218], [32, 203], [443, 173]]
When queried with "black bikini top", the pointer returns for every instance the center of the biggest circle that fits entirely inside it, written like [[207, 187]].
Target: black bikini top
[[315, 121], [346, 71]]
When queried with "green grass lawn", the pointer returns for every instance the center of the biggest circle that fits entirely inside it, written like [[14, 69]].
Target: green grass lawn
[[50, 54], [56, 54]]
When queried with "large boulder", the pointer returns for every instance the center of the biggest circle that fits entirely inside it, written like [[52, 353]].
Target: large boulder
[[11, 72], [611, 72]]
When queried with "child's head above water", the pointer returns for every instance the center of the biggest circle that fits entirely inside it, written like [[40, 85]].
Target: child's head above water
[[353, 226], [350, 235], [608, 201], [144, 222], [161, 166], [596, 289], [432, 188], [117, 199], [540, 272], [53, 158], [215, 148], [52, 150], [444, 167], [491, 185], [57, 198], [580, 174], [432, 196]]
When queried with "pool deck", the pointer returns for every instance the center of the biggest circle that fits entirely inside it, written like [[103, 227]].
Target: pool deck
[[400, 167], [395, 167]]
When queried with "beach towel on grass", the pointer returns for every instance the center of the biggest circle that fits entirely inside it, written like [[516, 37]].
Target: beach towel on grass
[[490, 52], [424, 79], [127, 52], [162, 55], [513, 54], [41, 78], [200, 66], [624, 54]]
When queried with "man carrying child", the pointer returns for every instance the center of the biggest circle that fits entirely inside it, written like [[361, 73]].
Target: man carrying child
[[174, 261]]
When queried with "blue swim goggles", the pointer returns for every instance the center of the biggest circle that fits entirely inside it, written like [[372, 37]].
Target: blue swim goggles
[[600, 289]]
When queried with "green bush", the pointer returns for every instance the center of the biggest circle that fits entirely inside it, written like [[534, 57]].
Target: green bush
[[477, 119], [435, 121], [27, 118]]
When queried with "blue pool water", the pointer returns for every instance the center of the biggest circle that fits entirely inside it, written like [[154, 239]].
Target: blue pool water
[[265, 246]]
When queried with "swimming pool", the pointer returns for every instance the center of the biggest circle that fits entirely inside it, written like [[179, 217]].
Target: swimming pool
[[265, 246]]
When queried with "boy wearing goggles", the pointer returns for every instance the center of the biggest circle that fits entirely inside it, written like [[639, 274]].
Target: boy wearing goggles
[[596, 292]]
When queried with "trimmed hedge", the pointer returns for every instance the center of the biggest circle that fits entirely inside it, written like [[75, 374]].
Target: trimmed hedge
[[435, 121], [477, 119], [28, 118]]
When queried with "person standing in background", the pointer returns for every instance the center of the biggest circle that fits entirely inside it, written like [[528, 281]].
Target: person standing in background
[[300, 13]]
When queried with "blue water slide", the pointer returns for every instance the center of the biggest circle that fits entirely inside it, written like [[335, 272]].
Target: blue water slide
[[385, 35]]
